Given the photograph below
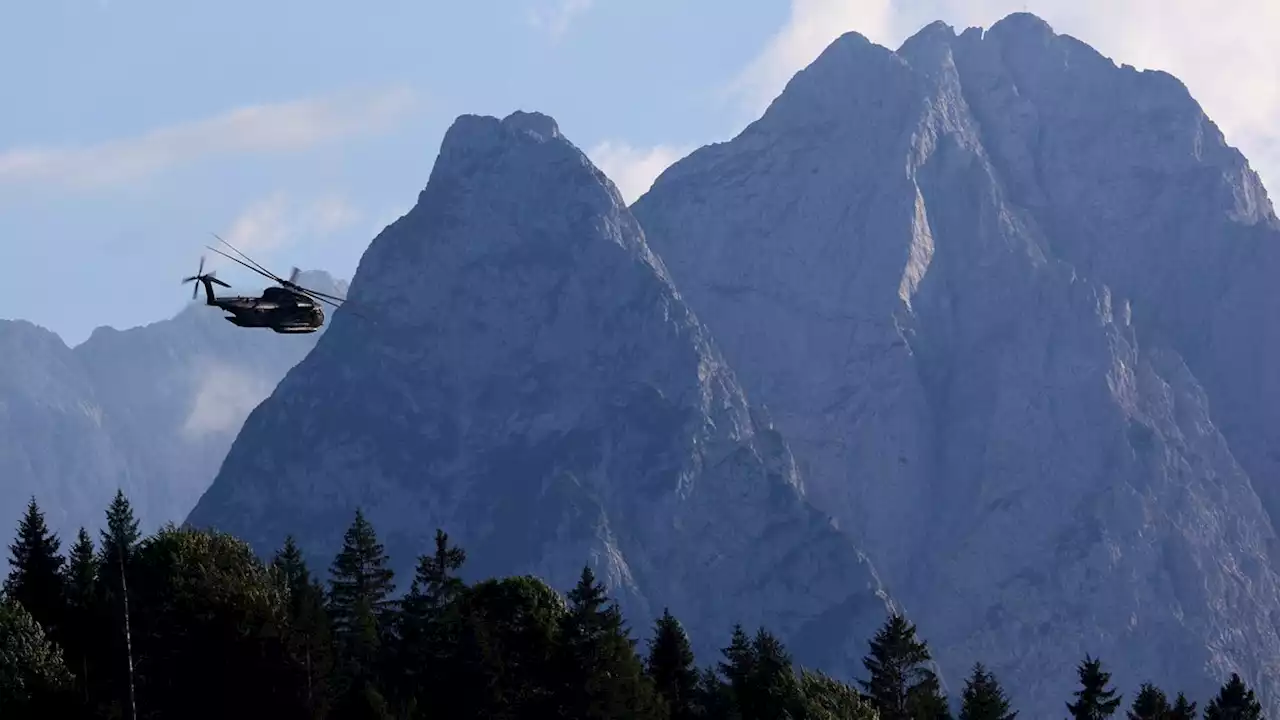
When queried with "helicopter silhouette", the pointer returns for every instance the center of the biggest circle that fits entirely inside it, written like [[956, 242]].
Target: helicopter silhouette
[[288, 309]]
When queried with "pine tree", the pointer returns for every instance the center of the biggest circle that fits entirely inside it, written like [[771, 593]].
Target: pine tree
[[118, 541], [426, 636], [1183, 709], [1094, 700], [1150, 704], [601, 676], [1235, 701], [772, 689], [80, 579], [35, 571], [901, 685], [360, 608], [671, 667], [310, 638], [983, 698]]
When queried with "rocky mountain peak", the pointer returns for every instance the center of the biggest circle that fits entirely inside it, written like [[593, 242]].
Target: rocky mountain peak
[[536, 387], [1023, 312]]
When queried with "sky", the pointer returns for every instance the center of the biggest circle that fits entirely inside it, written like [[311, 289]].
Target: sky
[[134, 129]]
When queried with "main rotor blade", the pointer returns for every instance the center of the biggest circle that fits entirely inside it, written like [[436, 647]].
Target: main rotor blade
[[236, 259], [317, 293], [261, 268]]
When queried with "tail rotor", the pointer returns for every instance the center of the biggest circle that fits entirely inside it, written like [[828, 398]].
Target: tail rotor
[[200, 276]]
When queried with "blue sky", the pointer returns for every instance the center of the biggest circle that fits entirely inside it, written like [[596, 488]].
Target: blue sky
[[134, 128]]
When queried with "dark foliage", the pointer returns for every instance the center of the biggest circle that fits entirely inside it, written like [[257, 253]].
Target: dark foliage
[[214, 632]]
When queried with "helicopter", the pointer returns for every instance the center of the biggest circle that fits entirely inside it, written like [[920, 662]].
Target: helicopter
[[288, 309]]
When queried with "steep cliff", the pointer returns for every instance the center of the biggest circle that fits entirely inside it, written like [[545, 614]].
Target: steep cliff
[[1008, 303], [532, 383]]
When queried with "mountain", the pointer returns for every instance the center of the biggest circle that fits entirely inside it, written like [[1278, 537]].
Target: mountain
[[1010, 305], [151, 410], [529, 380]]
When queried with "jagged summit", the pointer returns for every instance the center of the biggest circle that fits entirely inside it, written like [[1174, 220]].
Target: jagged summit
[[537, 388], [524, 164], [1023, 23], [1024, 311]]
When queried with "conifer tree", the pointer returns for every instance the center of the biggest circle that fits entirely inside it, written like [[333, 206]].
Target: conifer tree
[[601, 675], [771, 689], [118, 542], [1235, 701], [360, 605], [901, 684], [1150, 704], [983, 698], [671, 667], [308, 622], [1183, 709], [35, 570], [80, 579], [426, 636], [1094, 700]]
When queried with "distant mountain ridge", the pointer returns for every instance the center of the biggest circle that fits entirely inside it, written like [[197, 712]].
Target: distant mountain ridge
[[151, 410], [1008, 303], [535, 386]]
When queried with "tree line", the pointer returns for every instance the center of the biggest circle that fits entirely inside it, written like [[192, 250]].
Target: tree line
[[191, 624]]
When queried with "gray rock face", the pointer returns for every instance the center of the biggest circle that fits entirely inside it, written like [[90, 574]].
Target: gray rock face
[[1007, 303], [151, 410], [533, 384]]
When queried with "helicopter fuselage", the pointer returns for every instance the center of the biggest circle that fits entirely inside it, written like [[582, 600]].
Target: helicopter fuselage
[[280, 309]]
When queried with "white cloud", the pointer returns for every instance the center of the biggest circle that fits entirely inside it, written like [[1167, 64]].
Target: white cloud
[[554, 16], [280, 127], [276, 222], [811, 27], [225, 395], [1223, 51], [634, 169]]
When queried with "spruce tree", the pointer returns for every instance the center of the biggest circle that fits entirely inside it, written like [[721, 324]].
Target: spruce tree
[[118, 541], [1094, 700], [1150, 704], [901, 684], [309, 625], [35, 571], [80, 579], [427, 627], [983, 698], [360, 605], [1235, 701], [671, 667], [772, 689], [601, 676], [1183, 709]]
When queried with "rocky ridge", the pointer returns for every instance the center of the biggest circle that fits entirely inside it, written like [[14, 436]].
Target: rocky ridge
[[534, 384], [1007, 302]]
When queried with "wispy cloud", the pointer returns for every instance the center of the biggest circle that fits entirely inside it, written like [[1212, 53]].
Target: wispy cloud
[[224, 397], [1222, 51], [281, 127], [277, 222], [554, 16], [634, 169]]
